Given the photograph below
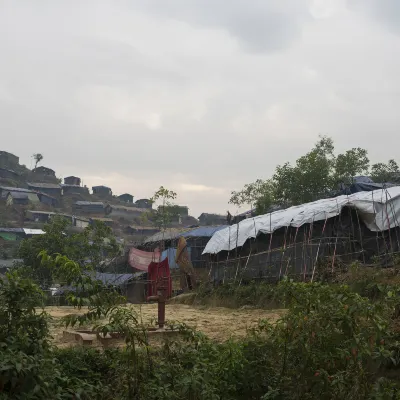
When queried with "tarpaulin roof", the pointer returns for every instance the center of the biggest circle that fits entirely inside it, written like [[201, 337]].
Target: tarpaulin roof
[[43, 185], [33, 231], [379, 210], [357, 187], [203, 231], [105, 278], [14, 189], [19, 195], [8, 236], [89, 203], [168, 234], [111, 279]]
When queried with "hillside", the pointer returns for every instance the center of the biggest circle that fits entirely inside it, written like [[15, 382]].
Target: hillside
[[29, 198]]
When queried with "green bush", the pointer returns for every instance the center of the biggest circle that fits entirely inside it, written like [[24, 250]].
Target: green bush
[[331, 343]]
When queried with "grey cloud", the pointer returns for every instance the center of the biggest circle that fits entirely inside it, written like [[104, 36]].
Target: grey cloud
[[146, 95], [259, 25], [386, 12]]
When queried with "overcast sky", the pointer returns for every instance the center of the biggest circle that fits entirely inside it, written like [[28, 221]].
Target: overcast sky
[[201, 96]]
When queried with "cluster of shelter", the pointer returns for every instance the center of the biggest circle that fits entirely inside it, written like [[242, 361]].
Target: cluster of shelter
[[360, 222]]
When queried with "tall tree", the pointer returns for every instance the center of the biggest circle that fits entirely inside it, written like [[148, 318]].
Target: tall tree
[[259, 195], [38, 158], [311, 177], [382, 172], [350, 164], [89, 248], [162, 216]]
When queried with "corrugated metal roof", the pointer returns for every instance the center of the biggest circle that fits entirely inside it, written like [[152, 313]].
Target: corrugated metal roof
[[102, 219], [44, 185], [168, 234], [89, 203], [203, 231]]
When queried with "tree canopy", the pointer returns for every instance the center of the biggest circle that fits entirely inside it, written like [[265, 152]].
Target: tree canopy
[[312, 176], [37, 157], [89, 248]]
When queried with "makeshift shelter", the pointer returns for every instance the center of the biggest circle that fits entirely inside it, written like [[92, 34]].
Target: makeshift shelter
[[132, 286], [293, 241], [196, 238]]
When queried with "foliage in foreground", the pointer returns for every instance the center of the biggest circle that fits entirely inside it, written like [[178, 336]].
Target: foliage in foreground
[[331, 344]]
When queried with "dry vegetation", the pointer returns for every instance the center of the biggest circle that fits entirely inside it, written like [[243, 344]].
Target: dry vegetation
[[217, 323]]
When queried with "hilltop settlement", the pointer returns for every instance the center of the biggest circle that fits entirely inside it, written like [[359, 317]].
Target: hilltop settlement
[[31, 198]]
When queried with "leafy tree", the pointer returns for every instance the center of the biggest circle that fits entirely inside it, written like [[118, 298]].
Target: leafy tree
[[162, 217], [259, 195], [90, 248], [350, 164], [313, 176], [310, 178], [382, 172], [38, 158]]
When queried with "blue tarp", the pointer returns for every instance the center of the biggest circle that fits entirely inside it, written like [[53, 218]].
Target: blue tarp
[[203, 231], [171, 254], [362, 184]]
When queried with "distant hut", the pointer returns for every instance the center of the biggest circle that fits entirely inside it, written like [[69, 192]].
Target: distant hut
[[72, 180], [143, 203], [126, 198], [21, 198], [8, 160], [102, 191], [51, 189]]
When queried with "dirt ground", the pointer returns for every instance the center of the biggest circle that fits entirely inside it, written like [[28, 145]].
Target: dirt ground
[[217, 323]]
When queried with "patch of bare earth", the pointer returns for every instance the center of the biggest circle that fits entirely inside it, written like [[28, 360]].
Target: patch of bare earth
[[217, 323]]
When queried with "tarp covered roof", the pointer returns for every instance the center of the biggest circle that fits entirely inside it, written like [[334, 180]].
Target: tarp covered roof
[[33, 231], [15, 189], [44, 185], [20, 195], [111, 279], [203, 231], [168, 234], [106, 279], [379, 210], [12, 230], [89, 203]]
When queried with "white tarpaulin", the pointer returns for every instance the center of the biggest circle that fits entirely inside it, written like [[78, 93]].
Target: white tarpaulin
[[380, 210], [33, 231]]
